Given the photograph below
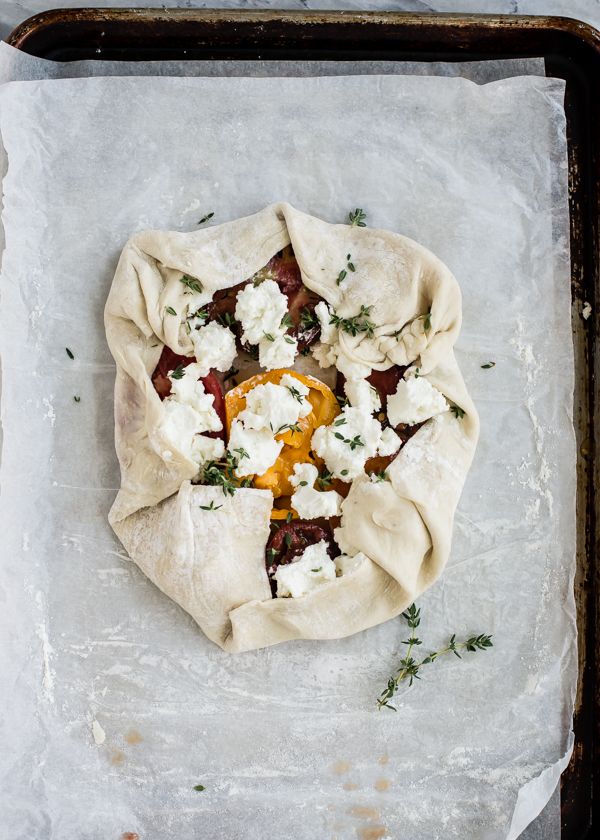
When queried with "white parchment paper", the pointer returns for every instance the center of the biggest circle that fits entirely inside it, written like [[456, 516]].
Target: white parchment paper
[[287, 741]]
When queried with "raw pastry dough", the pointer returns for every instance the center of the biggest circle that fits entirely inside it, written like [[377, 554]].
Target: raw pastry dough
[[212, 562]]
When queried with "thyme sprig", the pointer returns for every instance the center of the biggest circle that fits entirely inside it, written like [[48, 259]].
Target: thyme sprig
[[353, 443], [357, 324], [206, 218], [458, 412], [410, 667], [191, 283], [222, 474], [226, 319], [324, 480], [357, 217], [308, 319], [295, 394], [178, 373]]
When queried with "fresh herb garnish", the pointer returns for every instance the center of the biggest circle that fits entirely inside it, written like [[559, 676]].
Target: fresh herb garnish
[[286, 321], [222, 474], [69, 353], [344, 272], [488, 365], [199, 787], [295, 393], [288, 340], [293, 427], [269, 337], [287, 538], [343, 472], [211, 506], [458, 412], [206, 218], [241, 452], [170, 310], [380, 476], [410, 667], [178, 373], [226, 319], [200, 313], [77, 399], [320, 569], [357, 217], [427, 321], [271, 554], [340, 421], [303, 483], [357, 324], [353, 443], [325, 478], [289, 516], [308, 319], [191, 283]]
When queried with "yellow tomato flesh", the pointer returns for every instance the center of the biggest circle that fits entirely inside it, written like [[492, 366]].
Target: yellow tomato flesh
[[296, 444]]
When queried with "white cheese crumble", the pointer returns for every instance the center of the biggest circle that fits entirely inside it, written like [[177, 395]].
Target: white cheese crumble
[[311, 569], [308, 502], [361, 394], [352, 438], [351, 368], [389, 442], [415, 400], [256, 450], [273, 407], [188, 390], [324, 354], [277, 353], [189, 411], [329, 332], [214, 347], [260, 310]]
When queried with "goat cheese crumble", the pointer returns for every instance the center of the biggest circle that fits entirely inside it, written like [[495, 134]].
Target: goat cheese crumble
[[260, 309], [255, 450], [214, 347], [277, 351], [389, 442], [308, 502], [348, 442], [361, 394], [311, 569], [274, 407], [415, 401]]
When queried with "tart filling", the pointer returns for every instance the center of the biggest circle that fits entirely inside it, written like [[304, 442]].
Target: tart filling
[[242, 412]]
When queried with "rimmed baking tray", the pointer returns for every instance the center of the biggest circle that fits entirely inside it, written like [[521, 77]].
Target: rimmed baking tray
[[571, 50]]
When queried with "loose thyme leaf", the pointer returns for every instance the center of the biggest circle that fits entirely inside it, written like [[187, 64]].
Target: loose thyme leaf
[[269, 337], [178, 373], [427, 322], [211, 506], [357, 217], [320, 569], [199, 787], [488, 365], [458, 412], [191, 283], [289, 516], [287, 540], [286, 321], [325, 478], [69, 353], [288, 340], [340, 421], [77, 399], [206, 218], [170, 310], [295, 393], [341, 276], [226, 319], [241, 452]]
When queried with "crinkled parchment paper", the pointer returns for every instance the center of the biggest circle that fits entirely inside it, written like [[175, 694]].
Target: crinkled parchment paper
[[115, 704]]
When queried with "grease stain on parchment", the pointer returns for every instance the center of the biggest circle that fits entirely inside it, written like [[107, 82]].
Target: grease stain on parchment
[[382, 785], [132, 736], [341, 767]]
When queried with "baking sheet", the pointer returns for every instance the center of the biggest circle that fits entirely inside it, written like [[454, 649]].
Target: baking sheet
[[286, 740], [16, 65]]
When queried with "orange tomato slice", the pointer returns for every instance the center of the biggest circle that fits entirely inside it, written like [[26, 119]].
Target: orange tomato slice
[[296, 448]]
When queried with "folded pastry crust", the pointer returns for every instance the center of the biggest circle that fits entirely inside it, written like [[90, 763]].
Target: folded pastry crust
[[212, 562]]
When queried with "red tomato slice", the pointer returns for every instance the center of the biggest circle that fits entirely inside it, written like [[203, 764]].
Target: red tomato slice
[[212, 385]]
